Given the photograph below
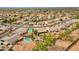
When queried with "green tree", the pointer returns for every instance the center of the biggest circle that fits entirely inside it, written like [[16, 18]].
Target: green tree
[[47, 41], [76, 17], [77, 25], [65, 35]]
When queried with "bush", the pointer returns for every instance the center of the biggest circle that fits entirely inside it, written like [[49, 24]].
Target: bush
[[76, 17], [35, 49], [42, 46], [77, 25], [64, 33]]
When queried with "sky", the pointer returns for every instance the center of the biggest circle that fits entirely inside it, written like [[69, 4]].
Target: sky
[[39, 3]]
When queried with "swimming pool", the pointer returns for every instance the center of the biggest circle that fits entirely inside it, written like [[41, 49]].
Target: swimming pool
[[30, 30], [27, 40]]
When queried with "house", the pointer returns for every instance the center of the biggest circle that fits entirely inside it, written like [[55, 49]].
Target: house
[[21, 30], [38, 39], [41, 30]]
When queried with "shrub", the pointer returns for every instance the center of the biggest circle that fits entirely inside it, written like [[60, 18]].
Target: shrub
[[42, 46], [76, 17], [77, 25], [65, 35]]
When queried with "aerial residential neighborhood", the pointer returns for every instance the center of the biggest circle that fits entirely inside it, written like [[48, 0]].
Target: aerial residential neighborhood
[[39, 29]]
